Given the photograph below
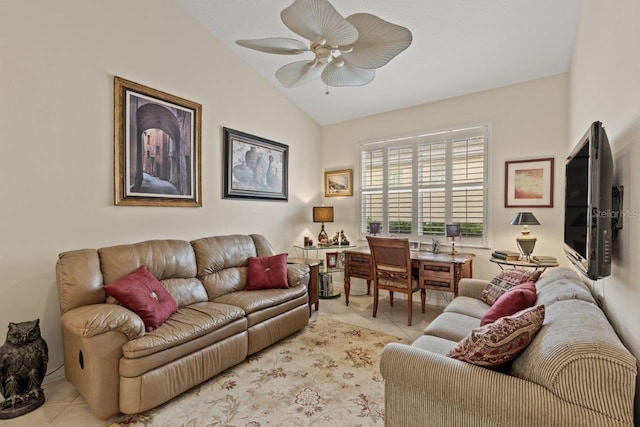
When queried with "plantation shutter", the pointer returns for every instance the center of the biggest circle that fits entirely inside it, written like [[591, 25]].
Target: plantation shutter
[[372, 180], [467, 178], [400, 194], [415, 185]]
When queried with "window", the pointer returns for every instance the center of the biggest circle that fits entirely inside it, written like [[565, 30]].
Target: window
[[415, 185]]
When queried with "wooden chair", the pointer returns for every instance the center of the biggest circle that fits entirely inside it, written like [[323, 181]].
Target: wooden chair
[[391, 260]]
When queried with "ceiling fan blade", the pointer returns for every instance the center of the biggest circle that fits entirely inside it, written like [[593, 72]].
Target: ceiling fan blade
[[379, 41], [347, 75], [298, 73], [277, 45], [319, 21]]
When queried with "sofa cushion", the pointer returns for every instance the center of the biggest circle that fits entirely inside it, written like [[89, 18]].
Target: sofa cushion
[[268, 272], [142, 293], [222, 263], [165, 259], [452, 326], [434, 344], [515, 299], [497, 343], [505, 281], [564, 289], [186, 324], [251, 301], [468, 305]]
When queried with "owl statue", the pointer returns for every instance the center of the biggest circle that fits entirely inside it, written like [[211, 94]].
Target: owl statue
[[23, 363]]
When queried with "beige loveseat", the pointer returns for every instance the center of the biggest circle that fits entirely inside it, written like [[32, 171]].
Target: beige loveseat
[[119, 367], [576, 372]]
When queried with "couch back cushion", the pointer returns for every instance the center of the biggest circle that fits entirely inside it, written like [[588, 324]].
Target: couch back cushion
[[79, 279], [222, 263], [578, 356], [172, 262], [560, 285]]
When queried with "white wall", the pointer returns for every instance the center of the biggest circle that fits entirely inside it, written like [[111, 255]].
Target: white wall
[[57, 62], [605, 85], [527, 120]]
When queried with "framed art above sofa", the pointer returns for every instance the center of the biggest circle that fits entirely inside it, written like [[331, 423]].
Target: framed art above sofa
[[157, 147]]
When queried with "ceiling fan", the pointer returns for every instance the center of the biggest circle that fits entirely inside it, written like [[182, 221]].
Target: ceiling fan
[[347, 51]]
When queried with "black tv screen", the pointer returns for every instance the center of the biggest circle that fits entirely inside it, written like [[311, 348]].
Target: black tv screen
[[587, 209]]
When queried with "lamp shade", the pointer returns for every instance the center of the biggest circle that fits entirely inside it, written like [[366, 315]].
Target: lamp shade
[[323, 214], [524, 218]]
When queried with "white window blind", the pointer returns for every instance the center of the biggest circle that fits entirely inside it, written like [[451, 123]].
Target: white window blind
[[415, 185]]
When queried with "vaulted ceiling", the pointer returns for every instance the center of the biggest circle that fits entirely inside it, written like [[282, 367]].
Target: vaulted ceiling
[[459, 47]]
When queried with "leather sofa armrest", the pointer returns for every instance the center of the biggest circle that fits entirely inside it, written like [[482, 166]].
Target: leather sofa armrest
[[298, 274], [95, 319], [471, 287]]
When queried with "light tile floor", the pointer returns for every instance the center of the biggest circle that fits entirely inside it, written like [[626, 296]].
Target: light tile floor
[[64, 407]]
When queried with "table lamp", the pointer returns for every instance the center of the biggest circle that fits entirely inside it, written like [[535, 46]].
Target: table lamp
[[526, 242], [323, 214], [453, 231]]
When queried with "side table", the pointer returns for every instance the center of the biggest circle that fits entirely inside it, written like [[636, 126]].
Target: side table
[[525, 264], [314, 275]]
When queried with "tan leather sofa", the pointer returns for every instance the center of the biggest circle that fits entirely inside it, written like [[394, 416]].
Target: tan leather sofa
[[575, 372], [119, 367]]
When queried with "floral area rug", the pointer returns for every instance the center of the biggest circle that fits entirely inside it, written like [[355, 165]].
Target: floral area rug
[[325, 375]]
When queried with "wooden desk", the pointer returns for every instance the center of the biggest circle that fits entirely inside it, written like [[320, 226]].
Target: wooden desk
[[436, 271]]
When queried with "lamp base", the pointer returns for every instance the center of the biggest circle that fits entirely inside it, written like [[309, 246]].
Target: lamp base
[[323, 237], [526, 245]]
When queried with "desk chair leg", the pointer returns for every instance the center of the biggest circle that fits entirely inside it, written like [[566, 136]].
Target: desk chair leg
[[410, 307], [375, 300], [368, 287], [391, 298], [423, 298]]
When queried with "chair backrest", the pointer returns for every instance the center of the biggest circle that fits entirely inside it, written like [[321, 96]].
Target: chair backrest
[[391, 259]]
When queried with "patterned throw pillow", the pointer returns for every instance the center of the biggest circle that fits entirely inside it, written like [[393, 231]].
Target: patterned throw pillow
[[268, 272], [504, 281], [499, 342], [143, 294], [515, 299]]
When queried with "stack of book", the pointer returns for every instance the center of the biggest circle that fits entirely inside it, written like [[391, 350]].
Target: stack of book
[[506, 255], [543, 259]]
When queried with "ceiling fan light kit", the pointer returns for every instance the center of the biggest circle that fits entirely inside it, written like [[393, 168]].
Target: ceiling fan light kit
[[347, 51]]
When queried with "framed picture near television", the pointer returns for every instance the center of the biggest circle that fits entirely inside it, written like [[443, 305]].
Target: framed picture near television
[[528, 183]]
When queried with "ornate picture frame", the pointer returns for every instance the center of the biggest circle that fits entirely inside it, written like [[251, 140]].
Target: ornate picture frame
[[338, 183], [255, 167], [156, 147], [529, 183]]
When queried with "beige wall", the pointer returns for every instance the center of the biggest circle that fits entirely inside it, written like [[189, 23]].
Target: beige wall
[[57, 62], [526, 120], [605, 85]]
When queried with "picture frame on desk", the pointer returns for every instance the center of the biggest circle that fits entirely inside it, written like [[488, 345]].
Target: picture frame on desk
[[332, 259]]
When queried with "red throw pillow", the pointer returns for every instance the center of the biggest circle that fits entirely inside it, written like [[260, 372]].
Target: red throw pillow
[[504, 281], [267, 272], [499, 342], [515, 299], [142, 293]]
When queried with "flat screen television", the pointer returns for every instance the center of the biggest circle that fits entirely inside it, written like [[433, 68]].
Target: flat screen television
[[588, 204]]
